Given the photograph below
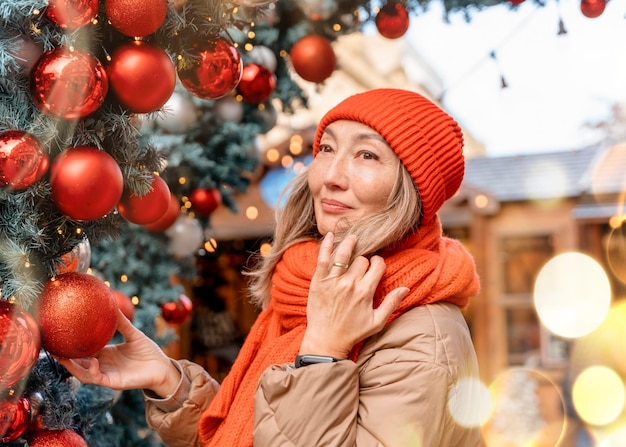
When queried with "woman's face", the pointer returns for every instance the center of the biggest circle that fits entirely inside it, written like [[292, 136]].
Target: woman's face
[[352, 175]]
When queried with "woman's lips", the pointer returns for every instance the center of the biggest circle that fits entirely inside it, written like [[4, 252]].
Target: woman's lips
[[332, 206]]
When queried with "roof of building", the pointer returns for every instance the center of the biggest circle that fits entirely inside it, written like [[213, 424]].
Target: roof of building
[[549, 175]]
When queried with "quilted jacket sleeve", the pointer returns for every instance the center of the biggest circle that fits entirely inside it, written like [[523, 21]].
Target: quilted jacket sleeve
[[397, 395], [176, 418]]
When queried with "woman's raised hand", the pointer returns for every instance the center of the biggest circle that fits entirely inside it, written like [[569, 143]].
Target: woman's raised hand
[[340, 309], [137, 363]]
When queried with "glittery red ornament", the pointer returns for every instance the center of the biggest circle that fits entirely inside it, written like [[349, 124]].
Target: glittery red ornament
[[257, 83], [592, 8], [147, 208], [68, 84], [77, 315], [23, 160], [313, 58], [204, 201], [167, 219], [14, 418], [56, 438], [20, 342], [214, 71], [72, 14], [392, 21], [125, 304], [136, 18], [142, 76], [86, 182], [177, 312]]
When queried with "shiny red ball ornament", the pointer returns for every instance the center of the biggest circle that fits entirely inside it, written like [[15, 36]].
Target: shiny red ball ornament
[[148, 208], [313, 58], [214, 71], [68, 84], [257, 83], [23, 159], [167, 219], [86, 183], [592, 8], [136, 18], [14, 418], [72, 14], [125, 304], [205, 200], [142, 76], [177, 312], [56, 438], [20, 342], [77, 315], [392, 21]]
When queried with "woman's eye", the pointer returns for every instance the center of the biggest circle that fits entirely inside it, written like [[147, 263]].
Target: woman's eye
[[324, 148], [367, 156]]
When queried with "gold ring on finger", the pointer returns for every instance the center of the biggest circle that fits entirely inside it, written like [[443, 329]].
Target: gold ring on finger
[[341, 265]]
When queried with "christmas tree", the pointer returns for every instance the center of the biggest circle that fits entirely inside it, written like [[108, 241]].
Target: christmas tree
[[123, 125]]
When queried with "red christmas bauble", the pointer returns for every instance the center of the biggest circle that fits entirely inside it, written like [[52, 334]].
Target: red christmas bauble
[[214, 71], [136, 18], [204, 201], [56, 438], [72, 14], [77, 315], [23, 160], [76, 260], [68, 84], [86, 182], [177, 312], [313, 58], [14, 418], [148, 208], [392, 21], [142, 76], [592, 8], [20, 342], [167, 219], [257, 83], [125, 304]]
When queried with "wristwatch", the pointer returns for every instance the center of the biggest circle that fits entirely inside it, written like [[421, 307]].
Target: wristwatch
[[310, 359]]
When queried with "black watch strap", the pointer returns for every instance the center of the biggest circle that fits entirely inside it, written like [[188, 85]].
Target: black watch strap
[[310, 359]]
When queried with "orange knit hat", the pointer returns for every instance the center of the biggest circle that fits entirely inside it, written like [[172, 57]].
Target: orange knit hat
[[427, 140]]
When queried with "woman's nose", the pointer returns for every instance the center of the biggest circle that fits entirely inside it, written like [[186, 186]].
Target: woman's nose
[[337, 173]]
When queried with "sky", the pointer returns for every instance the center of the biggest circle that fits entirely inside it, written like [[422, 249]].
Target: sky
[[556, 83]]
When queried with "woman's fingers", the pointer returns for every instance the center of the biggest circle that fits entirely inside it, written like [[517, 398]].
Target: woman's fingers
[[389, 304]]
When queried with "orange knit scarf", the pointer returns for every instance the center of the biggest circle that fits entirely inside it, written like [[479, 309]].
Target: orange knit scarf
[[434, 267]]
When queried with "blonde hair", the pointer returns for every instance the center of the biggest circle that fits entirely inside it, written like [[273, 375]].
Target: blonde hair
[[295, 222]]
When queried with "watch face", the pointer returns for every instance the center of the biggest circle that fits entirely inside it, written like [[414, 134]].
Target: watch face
[[309, 359]]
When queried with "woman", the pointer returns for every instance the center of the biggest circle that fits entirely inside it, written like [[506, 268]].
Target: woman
[[361, 341]]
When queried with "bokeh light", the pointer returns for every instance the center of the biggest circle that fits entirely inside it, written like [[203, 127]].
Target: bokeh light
[[527, 410], [616, 250], [572, 295], [470, 403], [615, 439], [598, 395]]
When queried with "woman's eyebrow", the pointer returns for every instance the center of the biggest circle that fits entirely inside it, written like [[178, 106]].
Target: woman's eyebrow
[[373, 135]]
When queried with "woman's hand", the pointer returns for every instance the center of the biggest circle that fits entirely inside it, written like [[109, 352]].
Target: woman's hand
[[340, 309], [137, 363]]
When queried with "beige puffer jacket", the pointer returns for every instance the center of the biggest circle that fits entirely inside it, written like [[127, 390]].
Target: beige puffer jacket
[[403, 391]]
